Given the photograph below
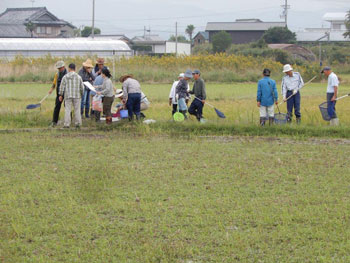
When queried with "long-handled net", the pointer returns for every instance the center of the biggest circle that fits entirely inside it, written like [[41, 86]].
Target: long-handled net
[[324, 108], [219, 113]]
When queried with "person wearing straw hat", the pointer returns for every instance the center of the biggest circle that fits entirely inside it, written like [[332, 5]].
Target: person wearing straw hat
[[62, 71], [332, 92], [86, 74], [131, 96], [267, 96], [181, 92], [97, 70], [196, 107], [292, 82]]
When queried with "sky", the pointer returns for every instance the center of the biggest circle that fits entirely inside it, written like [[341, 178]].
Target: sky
[[131, 16]]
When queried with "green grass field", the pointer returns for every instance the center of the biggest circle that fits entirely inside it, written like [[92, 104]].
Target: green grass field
[[237, 101], [113, 197], [226, 191]]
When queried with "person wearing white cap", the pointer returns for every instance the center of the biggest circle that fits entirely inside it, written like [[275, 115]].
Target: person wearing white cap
[[62, 71], [172, 94], [292, 82], [144, 102]]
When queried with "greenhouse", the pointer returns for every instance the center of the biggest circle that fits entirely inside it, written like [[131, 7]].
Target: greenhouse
[[62, 47]]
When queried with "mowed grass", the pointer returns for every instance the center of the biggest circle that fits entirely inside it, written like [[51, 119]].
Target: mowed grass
[[236, 100], [113, 197]]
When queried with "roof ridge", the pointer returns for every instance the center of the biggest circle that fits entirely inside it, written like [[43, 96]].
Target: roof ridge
[[25, 8]]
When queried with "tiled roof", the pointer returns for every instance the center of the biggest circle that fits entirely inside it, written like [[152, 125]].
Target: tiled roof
[[242, 26]]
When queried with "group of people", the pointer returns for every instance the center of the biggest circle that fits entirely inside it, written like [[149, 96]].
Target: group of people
[[73, 89], [180, 94], [292, 82]]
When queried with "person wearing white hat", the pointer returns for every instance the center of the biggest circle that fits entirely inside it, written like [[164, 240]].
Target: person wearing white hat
[[181, 92], [172, 97], [292, 82], [62, 71]]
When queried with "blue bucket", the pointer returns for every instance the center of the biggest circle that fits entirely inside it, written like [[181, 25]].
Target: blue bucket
[[124, 114]]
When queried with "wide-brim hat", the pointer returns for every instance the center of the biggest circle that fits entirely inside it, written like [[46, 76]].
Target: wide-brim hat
[[100, 61], [88, 63], [181, 75], [119, 93], [59, 64], [125, 77], [287, 68]]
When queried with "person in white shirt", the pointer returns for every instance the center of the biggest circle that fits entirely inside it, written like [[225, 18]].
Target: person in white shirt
[[332, 92], [172, 95], [292, 82]]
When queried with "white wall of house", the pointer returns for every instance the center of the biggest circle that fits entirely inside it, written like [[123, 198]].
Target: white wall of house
[[182, 48]]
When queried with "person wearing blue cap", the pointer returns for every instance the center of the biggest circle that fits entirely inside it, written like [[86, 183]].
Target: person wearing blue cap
[[332, 92], [196, 107], [182, 92]]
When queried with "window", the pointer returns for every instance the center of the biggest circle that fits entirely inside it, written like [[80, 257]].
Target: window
[[337, 26], [48, 30]]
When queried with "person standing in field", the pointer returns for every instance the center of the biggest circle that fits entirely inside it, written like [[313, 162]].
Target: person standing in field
[[332, 93], [292, 82], [97, 70], [172, 94], [267, 96], [181, 92], [131, 96], [56, 85], [73, 89], [86, 74], [107, 90], [196, 107]]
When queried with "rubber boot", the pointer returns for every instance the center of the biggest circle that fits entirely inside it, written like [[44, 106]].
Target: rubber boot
[[87, 113], [271, 121], [138, 117], [97, 116], [82, 112], [334, 122], [289, 117], [262, 121], [142, 115], [298, 120]]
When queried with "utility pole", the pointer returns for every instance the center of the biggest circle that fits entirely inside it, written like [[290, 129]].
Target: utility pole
[[176, 39], [93, 20], [144, 31], [285, 12]]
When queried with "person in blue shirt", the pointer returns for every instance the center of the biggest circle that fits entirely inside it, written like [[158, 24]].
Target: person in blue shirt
[[267, 96]]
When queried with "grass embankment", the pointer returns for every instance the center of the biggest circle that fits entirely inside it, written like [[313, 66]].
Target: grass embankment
[[236, 100], [217, 68], [112, 197]]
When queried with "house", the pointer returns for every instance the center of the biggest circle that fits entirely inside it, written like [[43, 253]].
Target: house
[[154, 45], [333, 32], [36, 22], [201, 38], [242, 30]]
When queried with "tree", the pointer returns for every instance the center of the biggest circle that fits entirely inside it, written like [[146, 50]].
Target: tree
[[30, 28], [180, 38], [189, 31], [347, 23], [276, 35], [87, 30], [221, 42]]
